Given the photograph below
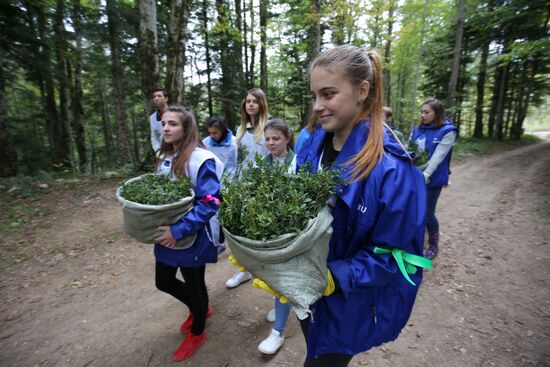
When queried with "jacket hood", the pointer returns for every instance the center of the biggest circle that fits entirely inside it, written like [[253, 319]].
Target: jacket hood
[[432, 126], [392, 145]]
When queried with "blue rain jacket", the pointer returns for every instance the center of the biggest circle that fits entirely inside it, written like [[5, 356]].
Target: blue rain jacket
[[373, 300], [304, 135], [196, 221], [427, 138]]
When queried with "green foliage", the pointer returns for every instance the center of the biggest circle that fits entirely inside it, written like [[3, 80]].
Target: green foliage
[[419, 64], [530, 138], [156, 190], [420, 157], [468, 147], [268, 202]]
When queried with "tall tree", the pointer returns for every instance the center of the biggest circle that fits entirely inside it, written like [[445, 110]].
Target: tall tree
[[252, 81], [417, 67], [245, 47], [8, 155], [118, 81], [376, 22], [481, 76], [61, 134], [263, 41], [206, 35], [148, 51], [238, 83], [77, 95], [387, 52], [224, 29], [456, 58], [177, 35], [500, 100], [313, 48]]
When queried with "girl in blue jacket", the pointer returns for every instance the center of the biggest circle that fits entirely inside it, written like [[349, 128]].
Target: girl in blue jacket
[[181, 154], [436, 135], [222, 143], [378, 213]]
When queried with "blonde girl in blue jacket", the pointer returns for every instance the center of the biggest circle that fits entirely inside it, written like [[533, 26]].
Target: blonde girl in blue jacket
[[182, 154], [378, 214]]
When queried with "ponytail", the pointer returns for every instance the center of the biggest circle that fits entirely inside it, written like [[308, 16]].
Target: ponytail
[[372, 151], [360, 66]]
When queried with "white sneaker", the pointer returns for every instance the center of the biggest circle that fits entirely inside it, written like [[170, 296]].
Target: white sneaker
[[272, 343], [238, 278], [270, 317]]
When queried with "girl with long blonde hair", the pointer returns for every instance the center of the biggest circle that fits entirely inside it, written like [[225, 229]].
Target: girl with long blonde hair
[[378, 212]]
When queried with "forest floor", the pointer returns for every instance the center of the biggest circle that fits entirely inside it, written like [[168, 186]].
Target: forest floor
[[76, 291]]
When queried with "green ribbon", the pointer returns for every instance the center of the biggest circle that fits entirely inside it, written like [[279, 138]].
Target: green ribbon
[[406, 262]]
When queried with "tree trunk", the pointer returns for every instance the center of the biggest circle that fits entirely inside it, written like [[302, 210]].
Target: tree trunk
[[43, 75], [531, 72], [238, 82], [227, 85], [148, 52], [105, 120], [8, 154], [245, 46], [456, 58], [263, 41], [387, 55], [313, 47], [118, 79], [252, 46], [509, 108], [481, 76], [375, 27], [175, 65], [501, 100], [417, 68], [457, 115], [61, 135], [208, 57], [78, 108]]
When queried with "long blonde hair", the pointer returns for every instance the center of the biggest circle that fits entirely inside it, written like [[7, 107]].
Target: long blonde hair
[[183, 149], [358, 66], [259, 123]]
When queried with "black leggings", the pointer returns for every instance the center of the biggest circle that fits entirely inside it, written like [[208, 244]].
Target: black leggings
[[325, 360], [192, 291]]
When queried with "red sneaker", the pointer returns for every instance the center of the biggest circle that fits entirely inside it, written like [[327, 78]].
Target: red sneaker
[[186, 326], [190, 345]]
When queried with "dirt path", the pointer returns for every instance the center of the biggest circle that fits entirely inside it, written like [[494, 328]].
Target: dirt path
[[75, 291]]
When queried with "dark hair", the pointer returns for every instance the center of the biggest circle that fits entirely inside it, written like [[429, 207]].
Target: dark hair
[[388, 113], [439, 111], [217, 122], [279, 125], [183, 149], [160, 90]]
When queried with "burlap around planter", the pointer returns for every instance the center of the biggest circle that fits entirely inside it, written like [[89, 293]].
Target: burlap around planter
[[293, 264], [140, 220]]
